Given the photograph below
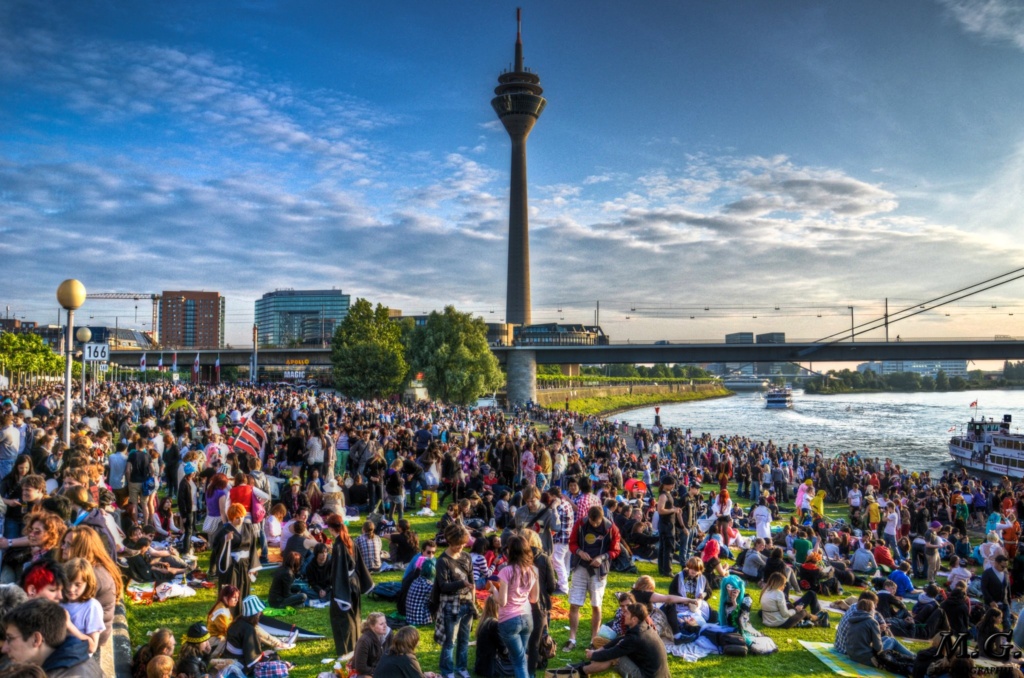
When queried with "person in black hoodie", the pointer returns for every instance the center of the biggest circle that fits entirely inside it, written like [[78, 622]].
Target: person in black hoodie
[[187, 500], [318, 573], [492, 658], [958, 609], [284, 592]]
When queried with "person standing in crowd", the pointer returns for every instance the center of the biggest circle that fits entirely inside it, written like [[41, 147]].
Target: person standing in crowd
[[689, 513], [454, 582], [566, 514], [350, 581], [669, 516], [594, 544], [233, 552], [517, 589]]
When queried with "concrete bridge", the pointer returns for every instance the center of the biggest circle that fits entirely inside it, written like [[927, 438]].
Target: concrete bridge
[[521, 361]]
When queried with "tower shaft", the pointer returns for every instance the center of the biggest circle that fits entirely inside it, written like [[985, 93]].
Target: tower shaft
[[518, 103]]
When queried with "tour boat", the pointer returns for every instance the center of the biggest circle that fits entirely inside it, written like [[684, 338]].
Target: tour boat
[[743, 382], [778, 398], [988, 446]]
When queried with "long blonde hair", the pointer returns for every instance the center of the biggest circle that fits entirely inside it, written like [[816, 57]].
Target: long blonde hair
[[370, 620]]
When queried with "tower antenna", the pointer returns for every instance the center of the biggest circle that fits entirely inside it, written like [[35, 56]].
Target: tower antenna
[[519, 40]]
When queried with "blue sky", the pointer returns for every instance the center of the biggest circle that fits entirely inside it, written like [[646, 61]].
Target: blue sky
[[736, 156]]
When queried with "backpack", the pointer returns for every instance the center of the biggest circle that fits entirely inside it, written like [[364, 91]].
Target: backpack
[[386, 591], [258, 511]]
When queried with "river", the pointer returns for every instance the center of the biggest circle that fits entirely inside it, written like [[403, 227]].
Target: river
[[911, 428]]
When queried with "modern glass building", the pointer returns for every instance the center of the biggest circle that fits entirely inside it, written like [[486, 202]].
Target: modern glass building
[[300, 317]]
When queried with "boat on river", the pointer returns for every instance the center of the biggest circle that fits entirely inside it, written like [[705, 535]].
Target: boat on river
[[743, 382], [989, 447], [778, 398]]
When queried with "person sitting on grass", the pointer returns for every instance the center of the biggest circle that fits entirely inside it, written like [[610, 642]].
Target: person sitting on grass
[[904, 586], [284, 592], [318, 574], [638, 652], [778, 612], [374, 641], [401, 662], [883, 558], [863, 560], [417, 602]]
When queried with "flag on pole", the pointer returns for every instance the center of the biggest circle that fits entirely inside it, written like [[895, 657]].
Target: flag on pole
[[195, 365], [251, 437], [974, 404], [174, 362], [216, 370], [160, 363], [142, 363], [951, 429]]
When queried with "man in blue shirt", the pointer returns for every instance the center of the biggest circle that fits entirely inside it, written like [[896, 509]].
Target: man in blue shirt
[[904, 587]]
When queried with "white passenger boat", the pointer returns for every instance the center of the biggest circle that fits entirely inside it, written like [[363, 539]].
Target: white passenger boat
[[988, 446], [778, 398], [743, 382]]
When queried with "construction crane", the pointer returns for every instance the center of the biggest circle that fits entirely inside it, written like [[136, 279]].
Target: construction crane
[[136, 296]]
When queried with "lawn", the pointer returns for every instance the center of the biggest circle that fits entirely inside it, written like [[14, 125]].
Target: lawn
[[791, 660]]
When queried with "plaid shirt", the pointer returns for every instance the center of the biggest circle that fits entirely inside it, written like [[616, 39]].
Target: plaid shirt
[[369, 549], [583, 505], [417, 611], [565, 511]]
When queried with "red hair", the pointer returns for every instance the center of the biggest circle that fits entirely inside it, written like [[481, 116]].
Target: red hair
[[336, 524], [39, 577]]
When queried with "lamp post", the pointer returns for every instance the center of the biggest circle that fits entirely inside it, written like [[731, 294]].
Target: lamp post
[[70, 295], [84, 334]]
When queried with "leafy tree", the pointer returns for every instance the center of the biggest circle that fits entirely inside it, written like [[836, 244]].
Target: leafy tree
[[451, 351], [941, 381], [620, 370], [957, 383], [550, 371], [928, 384], [367, 353]]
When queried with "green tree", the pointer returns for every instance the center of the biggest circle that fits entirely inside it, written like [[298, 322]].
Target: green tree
[[941, 381], [367, 353], [452, 353], [957, 383]]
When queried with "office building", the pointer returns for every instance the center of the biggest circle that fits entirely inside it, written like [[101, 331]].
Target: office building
[[740, 368], [300, 317], [926, 368], [191, 319]]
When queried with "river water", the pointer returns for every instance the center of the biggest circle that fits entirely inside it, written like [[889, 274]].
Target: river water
[[910, 428]]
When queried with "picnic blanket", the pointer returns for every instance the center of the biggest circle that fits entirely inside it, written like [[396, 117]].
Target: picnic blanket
[[841, 664]]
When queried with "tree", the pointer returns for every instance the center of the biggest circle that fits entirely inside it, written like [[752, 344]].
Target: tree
[[367, 353], [451, 351], [941, 381]]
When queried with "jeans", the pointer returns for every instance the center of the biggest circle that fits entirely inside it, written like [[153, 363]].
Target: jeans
[[457, 629], [890, 643], [515, 633], [755, 490], [686, 545], [6, 466], [398, 501], [890, 541]]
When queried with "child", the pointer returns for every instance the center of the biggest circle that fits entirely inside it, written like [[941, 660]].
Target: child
[[160, 666], [85, 614], [957, 573]]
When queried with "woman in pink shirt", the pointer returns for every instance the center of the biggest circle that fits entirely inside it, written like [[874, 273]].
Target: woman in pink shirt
[[517, 589]]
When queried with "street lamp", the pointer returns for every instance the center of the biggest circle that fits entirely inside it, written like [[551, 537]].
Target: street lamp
[[70, 295], [84, 334]]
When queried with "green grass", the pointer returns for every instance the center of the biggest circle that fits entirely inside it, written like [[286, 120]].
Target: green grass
[[791, 660], [589, 406]]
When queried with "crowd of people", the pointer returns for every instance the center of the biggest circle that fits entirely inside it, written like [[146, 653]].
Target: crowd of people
[[157, 474]]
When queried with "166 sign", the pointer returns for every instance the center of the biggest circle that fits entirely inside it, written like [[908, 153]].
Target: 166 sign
[[96, 353]]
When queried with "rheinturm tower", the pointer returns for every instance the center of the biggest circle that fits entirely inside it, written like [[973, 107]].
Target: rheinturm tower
[[518, 103]]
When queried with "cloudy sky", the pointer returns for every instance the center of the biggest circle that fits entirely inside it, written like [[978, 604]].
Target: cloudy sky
[[738, 157]]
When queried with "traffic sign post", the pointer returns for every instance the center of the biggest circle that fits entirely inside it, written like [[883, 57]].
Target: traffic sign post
[[96, 353]]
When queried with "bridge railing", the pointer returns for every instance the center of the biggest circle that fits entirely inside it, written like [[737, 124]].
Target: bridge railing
[[594, 381]]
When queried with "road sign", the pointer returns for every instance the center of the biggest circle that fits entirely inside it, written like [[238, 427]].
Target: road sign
[[96, 353], [104, 367]]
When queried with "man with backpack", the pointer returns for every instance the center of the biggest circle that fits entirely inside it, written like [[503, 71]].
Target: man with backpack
[[594, 544]]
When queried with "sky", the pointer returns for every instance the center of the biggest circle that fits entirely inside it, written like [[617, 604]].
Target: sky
[[772, 163]]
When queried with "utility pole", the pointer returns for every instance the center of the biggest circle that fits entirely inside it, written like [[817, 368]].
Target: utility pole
[[887, 320], [853, 338], [255, 353]]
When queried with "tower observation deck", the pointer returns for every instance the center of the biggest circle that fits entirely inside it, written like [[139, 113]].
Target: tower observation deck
[[518, 103]]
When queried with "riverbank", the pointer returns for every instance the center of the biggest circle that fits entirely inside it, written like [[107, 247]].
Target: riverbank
[[610, 405]]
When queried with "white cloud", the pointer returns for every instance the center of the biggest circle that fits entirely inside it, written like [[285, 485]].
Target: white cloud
[[996, 20]]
